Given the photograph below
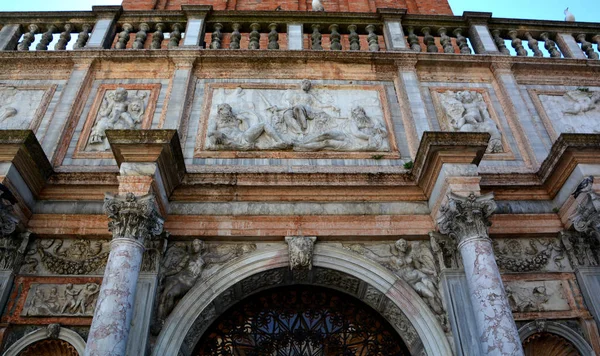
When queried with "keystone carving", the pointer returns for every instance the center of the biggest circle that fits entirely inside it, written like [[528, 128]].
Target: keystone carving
[[300, 120], [184, 264], [132, 217], [466, 111], [463, 218], [52, 331], [119, 110], [415, 264], [301, 251], [61, 299]]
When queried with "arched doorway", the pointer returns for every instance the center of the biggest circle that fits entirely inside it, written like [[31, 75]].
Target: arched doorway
[[301, 320], [333, 267], [549, 344]]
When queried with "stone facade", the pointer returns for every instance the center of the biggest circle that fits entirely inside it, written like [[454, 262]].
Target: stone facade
[[151, 180]]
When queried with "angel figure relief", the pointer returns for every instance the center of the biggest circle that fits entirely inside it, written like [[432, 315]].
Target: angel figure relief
[[467, 111], [184, 264], [118, 111], [415, 264]]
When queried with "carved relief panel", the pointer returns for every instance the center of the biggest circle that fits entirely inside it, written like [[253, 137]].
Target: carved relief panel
[[46, 300], [116, 107], [23, 107], [66, 257], [469, 111], [294, 120], [573, 111], [531, 255]]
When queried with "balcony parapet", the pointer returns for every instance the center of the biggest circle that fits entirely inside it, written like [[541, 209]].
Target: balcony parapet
[[111, 28]]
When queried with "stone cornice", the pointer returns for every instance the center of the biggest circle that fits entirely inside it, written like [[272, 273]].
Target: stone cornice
[[150, 146], [437, 148]]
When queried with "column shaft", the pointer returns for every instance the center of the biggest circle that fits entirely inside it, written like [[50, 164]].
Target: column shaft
[[496, 328], [114, 309]]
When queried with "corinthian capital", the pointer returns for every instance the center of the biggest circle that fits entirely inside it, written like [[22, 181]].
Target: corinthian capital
[[132, 217], [586, 218], [464, 218]]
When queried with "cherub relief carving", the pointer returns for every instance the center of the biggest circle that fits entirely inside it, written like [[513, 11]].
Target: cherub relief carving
[[184, 264], [414, 263], [62, 300], [118, 111], [466, 111], [576, 111]]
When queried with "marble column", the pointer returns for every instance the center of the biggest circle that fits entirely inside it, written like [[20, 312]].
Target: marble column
[[466, 219], [132, 221]]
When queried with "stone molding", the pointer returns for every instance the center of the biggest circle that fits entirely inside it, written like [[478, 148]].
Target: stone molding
[[64, 334], [399, 292], [133, 218], [542, 325], [466, 218]]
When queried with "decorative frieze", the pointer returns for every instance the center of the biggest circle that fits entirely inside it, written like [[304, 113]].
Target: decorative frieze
[[467, 111], [304, 119], [301, 251], [66, 257], [61, 300], [530, 255], [184, 263]]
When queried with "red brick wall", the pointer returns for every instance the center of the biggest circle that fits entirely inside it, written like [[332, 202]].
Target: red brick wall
[[439, 7]]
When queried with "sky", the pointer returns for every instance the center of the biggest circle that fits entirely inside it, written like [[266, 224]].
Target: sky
[[584, 10]]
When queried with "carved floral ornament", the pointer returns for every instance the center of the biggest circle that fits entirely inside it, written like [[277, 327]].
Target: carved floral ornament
[[301, 251], [133, 217], [464, 218]]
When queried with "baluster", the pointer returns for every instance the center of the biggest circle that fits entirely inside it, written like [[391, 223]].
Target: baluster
[[413, 40], [124, 36], [445, 40], [596, 40], [461, 41], [64, 39], [550, 45], [517, 44], [500, 42], [533, 45], [429, 40], [353, 38], [28, 38], [273, 37], [83, 37], [587, 47], [175, 36], [254, 36], [158, 36], [140, 37], [216, 37], [316, 37], [235, 37], [372, 38], [335, 38], [46, 38]]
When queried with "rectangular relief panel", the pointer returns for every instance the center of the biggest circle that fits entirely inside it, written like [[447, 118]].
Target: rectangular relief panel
[[255, 120]]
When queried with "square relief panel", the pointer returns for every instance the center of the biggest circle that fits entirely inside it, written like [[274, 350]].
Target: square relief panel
[[574, 111], [23, 107], [304, 120], [470, 110], [116, 107]]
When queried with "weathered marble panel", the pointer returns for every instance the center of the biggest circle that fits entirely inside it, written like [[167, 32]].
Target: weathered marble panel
[[61, 299], [21, 108], [536, 296], [574, 111], [331, 118]]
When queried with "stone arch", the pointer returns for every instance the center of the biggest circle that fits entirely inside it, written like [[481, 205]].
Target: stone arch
[[403, 307], [66, 335], [564, 331]]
